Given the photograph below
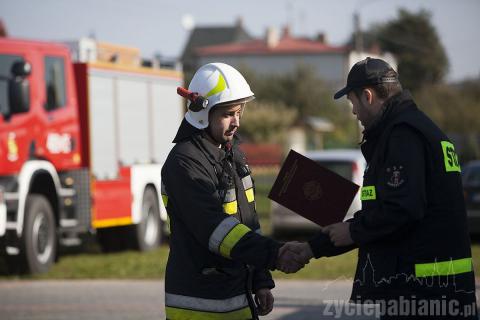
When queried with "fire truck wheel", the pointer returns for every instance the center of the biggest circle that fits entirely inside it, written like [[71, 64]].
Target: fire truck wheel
[[39, 243], [147, 234]]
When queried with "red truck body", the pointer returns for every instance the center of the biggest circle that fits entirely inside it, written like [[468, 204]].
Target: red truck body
[[81, 148]]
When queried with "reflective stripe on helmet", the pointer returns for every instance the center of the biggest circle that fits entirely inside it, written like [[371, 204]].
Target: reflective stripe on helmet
[[221, 85]]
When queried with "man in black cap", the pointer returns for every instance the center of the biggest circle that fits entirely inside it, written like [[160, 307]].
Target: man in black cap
[[414, 254]]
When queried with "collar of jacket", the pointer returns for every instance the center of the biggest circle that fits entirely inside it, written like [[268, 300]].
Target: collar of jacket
[[185, 131], [393, 107], [213, 152]]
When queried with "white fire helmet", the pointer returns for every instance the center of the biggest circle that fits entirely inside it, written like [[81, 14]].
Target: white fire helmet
[[219, 83]]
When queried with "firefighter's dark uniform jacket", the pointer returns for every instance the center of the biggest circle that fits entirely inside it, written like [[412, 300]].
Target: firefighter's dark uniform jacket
[[217, 255], [412, 231]]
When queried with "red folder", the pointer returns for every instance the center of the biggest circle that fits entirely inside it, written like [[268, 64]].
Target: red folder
[[312, 191]]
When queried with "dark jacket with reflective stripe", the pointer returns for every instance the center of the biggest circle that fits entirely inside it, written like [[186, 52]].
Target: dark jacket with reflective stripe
[[413, 212], [205, 261]]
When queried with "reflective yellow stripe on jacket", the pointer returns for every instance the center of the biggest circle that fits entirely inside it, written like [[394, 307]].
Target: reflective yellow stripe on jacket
[[443, 268], [164, 195], [226, 235], [248, 186], [230, 202], [179, 307]]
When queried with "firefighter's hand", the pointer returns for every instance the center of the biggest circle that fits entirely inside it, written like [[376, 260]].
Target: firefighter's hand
[[293, 256], [339, 233], [264, 301]]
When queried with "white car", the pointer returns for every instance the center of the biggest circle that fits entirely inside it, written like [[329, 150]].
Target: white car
[[349, 163]]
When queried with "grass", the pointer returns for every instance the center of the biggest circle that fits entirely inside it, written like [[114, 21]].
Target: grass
[[151, 265], [124, 265]]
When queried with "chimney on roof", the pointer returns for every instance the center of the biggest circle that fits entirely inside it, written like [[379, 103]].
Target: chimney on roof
[[286, 31], [3, 30], [239, 22], [271, 37], [322, 38]]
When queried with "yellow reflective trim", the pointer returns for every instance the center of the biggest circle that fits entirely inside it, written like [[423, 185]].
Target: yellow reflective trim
[[444, 268], [250, 195], [106, 223], [450, 157], [230, 207], [368, 193], [232, 238], [165, 200], [184, 314], [221, 85]]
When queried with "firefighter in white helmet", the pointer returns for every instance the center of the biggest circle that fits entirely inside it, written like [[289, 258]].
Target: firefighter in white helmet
[[218, 258]]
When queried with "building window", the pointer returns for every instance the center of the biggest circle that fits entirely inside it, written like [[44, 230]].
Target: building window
[[55, 83]]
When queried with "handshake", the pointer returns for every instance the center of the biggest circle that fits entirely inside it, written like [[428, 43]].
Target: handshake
[[293, 256]]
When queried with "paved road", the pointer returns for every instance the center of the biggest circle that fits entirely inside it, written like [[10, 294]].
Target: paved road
[[132, 299]]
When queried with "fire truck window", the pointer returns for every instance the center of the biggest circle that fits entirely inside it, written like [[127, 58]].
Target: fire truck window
[[54, 83], [6, 62]]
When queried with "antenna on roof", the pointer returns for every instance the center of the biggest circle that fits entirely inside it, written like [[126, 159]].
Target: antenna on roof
[[290, 15]]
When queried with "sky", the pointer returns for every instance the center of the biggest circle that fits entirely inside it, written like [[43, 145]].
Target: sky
[[160, 26]]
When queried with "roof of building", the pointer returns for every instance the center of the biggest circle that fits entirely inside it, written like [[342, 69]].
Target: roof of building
[[285, 45], [214, 35]]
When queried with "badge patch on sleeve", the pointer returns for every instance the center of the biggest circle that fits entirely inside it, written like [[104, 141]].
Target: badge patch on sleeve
[[450, 157], [395, 176]]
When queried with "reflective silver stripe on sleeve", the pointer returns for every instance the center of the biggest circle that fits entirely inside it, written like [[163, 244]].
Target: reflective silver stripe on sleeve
[[220, 233], [230, 196], [201, 304], [247, 182], [163, 190]]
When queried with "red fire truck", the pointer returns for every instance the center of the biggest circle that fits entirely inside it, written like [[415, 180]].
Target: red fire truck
[[81, 148]]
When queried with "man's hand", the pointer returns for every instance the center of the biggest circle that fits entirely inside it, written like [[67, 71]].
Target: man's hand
[[339, 233], [264, 301], [293, 256]]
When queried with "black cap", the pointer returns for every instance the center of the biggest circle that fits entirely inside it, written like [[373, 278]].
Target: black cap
[[367, 72]]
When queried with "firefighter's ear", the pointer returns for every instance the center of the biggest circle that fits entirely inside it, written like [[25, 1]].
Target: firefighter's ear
[[368, 94]]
